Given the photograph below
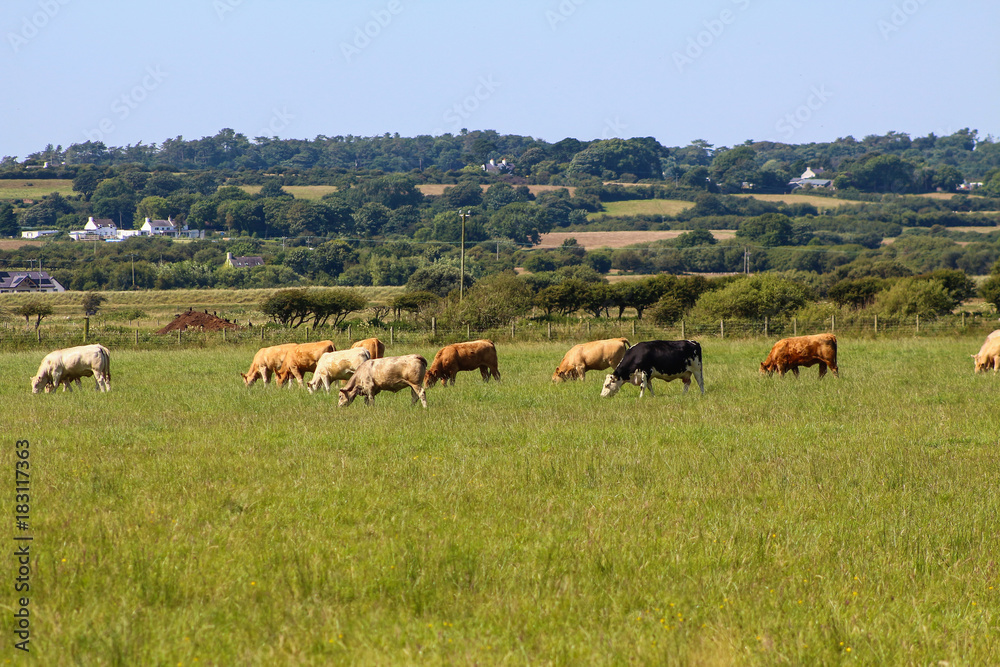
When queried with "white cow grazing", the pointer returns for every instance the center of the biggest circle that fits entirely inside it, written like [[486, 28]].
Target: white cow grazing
[[337, 366], [65, 366], [386, 374]]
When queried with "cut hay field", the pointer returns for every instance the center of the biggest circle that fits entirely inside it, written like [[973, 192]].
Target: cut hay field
[[183, 517], [619, 209], [311, 192], [28, 188], [821, 203], [594, 240]]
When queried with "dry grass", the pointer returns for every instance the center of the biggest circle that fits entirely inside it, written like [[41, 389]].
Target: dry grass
[[437, 189], [822, 203], [592, 240], [14, 244], [29, 188], [311, 192]]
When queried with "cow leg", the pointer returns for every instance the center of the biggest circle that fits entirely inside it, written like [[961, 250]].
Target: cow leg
[[795, 371], [649, 384], [834, 370], [699, 376], [485, 372], [580, 372], [103, 383], [496, 373], [451, 378], [642, 384], [687, 383], [822, 370]]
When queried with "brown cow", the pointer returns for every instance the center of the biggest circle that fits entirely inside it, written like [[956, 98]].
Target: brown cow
[[375, 347], [302, 359], [386, 374], [593, 356], [982, 360], [790, 353], [266, 362], [989, 355], [451, 359]]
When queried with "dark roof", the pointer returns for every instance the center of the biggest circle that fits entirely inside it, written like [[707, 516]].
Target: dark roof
[[247, 262], [27, 280]]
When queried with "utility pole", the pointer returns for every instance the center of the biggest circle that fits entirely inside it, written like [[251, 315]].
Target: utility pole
[[132, 254], [461, 275]]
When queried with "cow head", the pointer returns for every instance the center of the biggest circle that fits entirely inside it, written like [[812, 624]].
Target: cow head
[[430, 377], [611, 385], [980, 362], [559, 376], [766, 369], [40, 382], [345, 398]]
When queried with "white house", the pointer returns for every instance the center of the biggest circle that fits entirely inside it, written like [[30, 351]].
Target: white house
[[169, 228], [103, 227], [811, 173], [39, 233]]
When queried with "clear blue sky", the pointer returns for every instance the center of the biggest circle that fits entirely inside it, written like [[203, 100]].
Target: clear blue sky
[[721, 70]]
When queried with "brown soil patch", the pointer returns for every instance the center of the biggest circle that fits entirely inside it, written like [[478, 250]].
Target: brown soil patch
[[439, 188], [194, 320], [593, 240], [14, 244]]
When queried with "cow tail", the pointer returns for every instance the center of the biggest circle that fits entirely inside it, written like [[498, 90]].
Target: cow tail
[[106, 361]]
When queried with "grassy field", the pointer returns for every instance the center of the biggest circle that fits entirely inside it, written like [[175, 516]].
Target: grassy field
[[183, 517], [312, 192], [618, 209], [28, 188], [821, 203]]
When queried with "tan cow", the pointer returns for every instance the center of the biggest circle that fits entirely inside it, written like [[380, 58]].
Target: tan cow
[[62, 367], [451, 359], [265, 363], [989, 355], [375, 347], [336, 366], [302, 359], [386, 374], [593, 356], [982, 360], [790, 353]]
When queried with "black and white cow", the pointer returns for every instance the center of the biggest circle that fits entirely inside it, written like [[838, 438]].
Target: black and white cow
[[664, 359]]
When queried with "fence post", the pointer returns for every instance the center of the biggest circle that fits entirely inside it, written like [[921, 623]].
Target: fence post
[[683, 336], [588, 327], [434, 326], [795, 326], [262, 333], [876, 324], [38, 334], [137, 334], [348, 333], [513, 332], [223, 334], [633, 328], [833, 323], [307, 333], [468, 332], [963, 319], [765, 328], [918, 323], [550, 330], [178, 336], [392, 336], [86, 328]]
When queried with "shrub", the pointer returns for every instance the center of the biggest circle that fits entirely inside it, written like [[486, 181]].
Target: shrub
[[754, 298], [913, 296]]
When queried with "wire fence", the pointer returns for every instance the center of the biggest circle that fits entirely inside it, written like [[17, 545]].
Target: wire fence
[[408, 334]]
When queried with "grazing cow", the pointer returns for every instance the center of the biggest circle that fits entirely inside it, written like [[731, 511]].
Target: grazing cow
[[375, 347], [266, 362], [983, 360], [69, 365], [337, 366], [451, 359], [790, 353], [593, 356], [664, 359], [302, 359], [989, 355], [386, 374]]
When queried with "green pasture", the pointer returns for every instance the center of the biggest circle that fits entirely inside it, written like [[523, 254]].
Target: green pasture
[[312, 192], [183, 517], [619, 209], [27, 188]]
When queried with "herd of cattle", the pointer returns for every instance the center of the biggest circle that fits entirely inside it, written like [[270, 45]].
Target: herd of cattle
[[366, 371]]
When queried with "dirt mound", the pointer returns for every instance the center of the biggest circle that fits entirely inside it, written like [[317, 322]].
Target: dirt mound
[[198, 320]]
